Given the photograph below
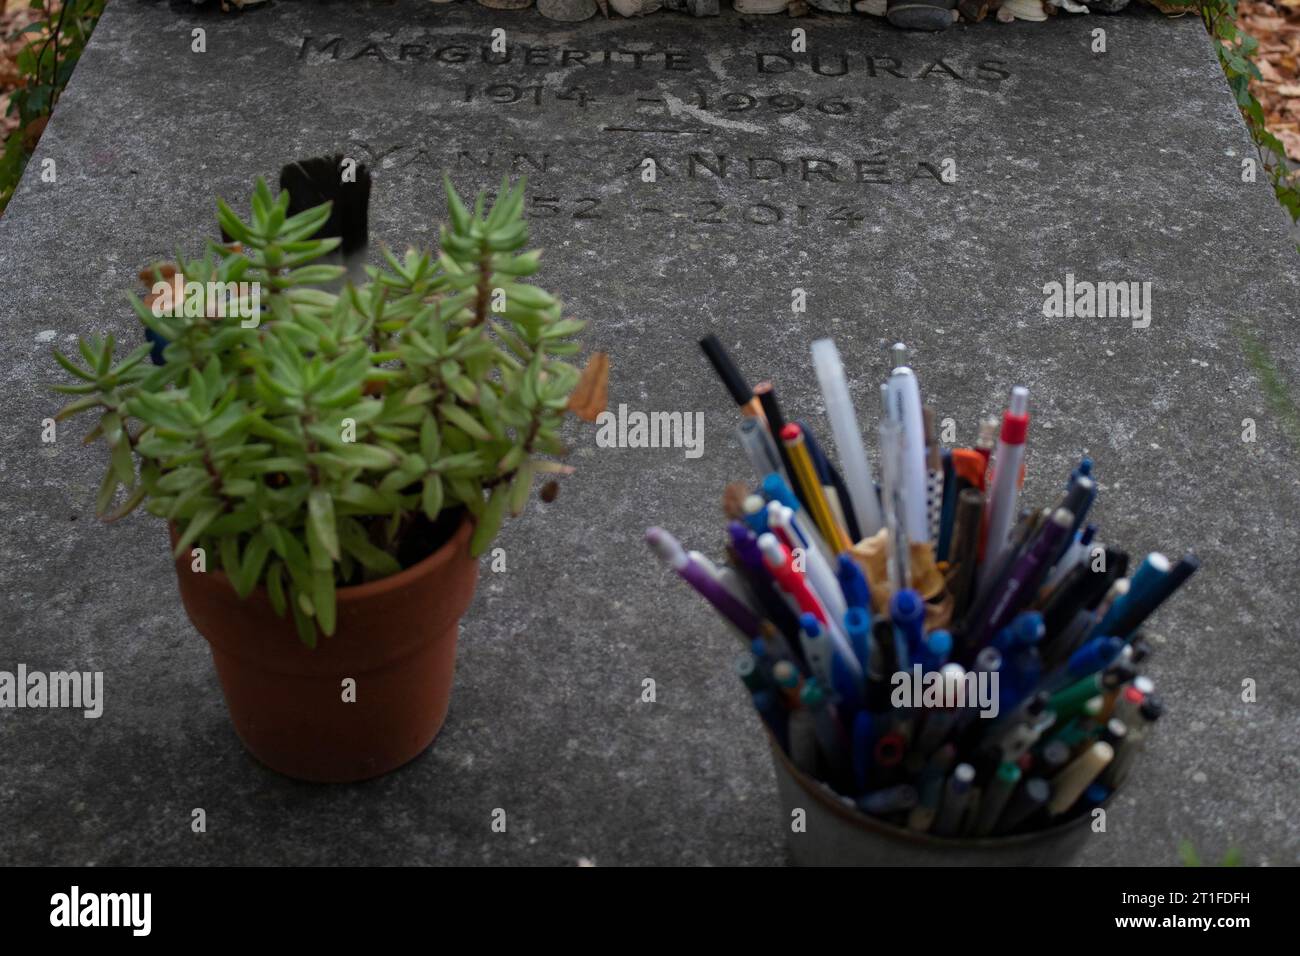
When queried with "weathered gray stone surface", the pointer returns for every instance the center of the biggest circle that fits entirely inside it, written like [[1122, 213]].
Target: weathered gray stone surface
[[1121, 167]]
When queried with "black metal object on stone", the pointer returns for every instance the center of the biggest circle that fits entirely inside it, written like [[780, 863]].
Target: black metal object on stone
[[344, 182], [930, 15]]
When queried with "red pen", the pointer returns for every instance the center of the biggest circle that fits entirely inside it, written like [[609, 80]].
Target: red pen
[[777, 558]]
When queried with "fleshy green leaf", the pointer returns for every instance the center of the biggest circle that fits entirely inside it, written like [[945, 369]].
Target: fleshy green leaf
[[489, 522], [520, 486], [202, 518], [322, 597], [320, 514], [431, 496]]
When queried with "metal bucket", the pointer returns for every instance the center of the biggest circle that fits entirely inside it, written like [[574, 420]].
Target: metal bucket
[[837, 834]]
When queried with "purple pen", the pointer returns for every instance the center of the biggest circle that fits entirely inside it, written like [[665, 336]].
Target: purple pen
[[1018, 587], [746, 545], [698, 577]]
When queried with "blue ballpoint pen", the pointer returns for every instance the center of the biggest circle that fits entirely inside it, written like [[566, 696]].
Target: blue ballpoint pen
[[857, 592], [816, 644], [1096, 655], [907, 611], [755, 509], [857, 625], [776, 488], [1025, 630], [938, 645], [833, 664]]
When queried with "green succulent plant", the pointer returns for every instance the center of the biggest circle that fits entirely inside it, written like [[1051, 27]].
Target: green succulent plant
[[303, 446]]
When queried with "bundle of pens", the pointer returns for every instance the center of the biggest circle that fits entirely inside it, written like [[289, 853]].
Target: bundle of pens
[[951, 663]]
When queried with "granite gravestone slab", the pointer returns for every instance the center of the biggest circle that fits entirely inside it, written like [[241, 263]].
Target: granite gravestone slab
[[922, 188]]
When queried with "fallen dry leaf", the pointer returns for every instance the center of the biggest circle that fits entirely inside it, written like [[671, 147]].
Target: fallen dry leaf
[[733, 500], [591, 395], [150, 274], [1291, 140], [1276, 26]]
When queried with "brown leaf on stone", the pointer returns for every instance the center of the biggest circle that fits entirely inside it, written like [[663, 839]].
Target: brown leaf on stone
[[549, 491], [733, 500], [150, 274], [1291, 140], [1276, 26], [591, 394], [178, 287]]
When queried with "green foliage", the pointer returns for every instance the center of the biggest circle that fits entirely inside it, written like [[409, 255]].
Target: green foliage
[[45, 63], [1236, 54], [1271, 383], [302, 450], [1187, 852]]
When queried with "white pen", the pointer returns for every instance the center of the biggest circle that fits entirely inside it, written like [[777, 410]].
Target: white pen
[[1004, 488], [904, 407], [848, 439], [893, 496]]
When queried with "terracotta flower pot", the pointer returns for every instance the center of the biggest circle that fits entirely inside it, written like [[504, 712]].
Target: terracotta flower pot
[[396, 638]]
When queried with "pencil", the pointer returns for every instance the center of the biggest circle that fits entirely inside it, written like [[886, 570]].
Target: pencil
[[731, 377], [965, 549], [806, 477]]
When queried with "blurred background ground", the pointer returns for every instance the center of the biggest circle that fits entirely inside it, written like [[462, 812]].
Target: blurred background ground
[[1276, 25], [17, 14]]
